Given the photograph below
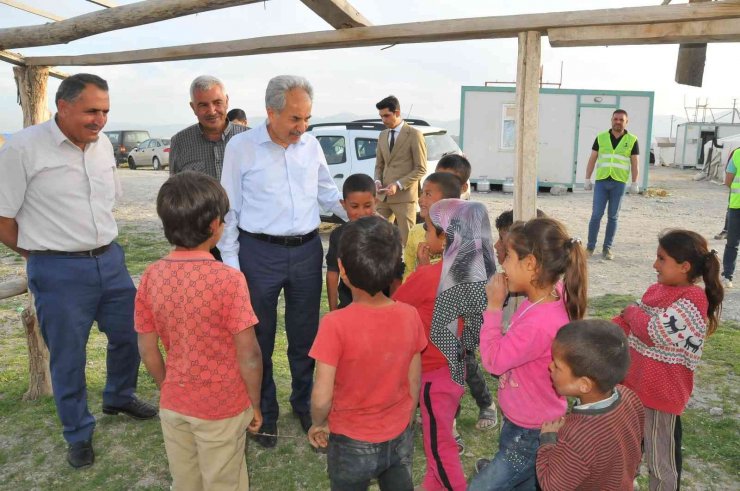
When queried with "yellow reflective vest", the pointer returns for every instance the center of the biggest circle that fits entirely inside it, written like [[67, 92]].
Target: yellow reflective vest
[[614, 162], [735, 186]]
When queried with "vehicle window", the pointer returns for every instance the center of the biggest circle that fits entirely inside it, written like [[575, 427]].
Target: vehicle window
[[135, 137], [366, 148], [334, 149], [166, 141], [156, 143], [440, 144], [114, 138]]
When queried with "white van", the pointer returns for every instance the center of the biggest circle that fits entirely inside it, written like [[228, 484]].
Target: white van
[[350, 147]]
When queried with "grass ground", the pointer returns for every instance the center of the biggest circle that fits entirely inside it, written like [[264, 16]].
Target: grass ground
[[130, 455]]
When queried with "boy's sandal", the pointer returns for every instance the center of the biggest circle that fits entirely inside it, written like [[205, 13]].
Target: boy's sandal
[[460, 444], [487, 418]]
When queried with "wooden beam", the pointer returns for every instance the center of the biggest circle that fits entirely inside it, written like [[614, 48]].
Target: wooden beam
[[527, 121], [31, 10], [691, 60], [712, 31], [417, 32], [338, 13], [103, 3], [134, 14], [13, 287], [18, 60]]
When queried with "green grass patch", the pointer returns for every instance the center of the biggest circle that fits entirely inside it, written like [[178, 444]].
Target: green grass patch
[[130, 454]]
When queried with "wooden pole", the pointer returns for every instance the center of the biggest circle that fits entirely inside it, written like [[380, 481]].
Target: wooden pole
[[527, 119], [691, 60], [32, 83]]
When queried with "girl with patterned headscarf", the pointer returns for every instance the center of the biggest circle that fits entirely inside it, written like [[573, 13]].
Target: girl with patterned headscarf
[[444, 293]]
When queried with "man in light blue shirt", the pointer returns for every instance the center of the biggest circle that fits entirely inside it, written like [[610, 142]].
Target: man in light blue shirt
[[276, 178]]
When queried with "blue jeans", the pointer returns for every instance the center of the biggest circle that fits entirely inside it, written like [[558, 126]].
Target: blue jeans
[[270, 269], [70, 293], [353, 463], [733, 239], [513, 466], [611, 192]]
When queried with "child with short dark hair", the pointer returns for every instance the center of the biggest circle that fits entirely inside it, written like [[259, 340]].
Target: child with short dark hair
[[358, 200], [444, 293], [666, 331], [598, 445], [458, 165], [549, 267], [199, 308], [368, 365]]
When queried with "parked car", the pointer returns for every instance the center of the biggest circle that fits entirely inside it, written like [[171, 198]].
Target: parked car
[[154, 152], [124, 141], [350, 148]]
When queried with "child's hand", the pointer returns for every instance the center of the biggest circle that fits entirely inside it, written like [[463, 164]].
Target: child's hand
[[256, 423], [318, 436], [423, 254], [553, 426], [496, 291]]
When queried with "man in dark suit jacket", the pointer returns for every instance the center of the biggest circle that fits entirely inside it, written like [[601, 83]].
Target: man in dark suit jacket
[[400, 163]]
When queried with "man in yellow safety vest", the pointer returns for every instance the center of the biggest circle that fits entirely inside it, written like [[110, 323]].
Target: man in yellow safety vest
[[614, 155], [732, 180]]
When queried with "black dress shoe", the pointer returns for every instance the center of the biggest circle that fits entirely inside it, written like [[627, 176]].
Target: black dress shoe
[[305, 419], [80, 454], [135, 408], [268, 435]]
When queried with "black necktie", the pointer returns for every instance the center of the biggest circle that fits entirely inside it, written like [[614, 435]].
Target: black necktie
[[393, 139]]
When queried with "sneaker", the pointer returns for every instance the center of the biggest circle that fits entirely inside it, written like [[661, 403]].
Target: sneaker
[[481, 464], [589, 252], [608, 254], [721, 235], [460, 444], [726, 282]]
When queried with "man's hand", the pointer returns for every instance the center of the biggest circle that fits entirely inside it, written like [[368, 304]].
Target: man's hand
[[256, 423], [318, 436], [553, 426], [496, 291], [588, 185], [634, 188], [391, 189]]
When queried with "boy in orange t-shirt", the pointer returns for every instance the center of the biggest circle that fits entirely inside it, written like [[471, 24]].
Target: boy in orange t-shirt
[[368, 366], [199, 308]]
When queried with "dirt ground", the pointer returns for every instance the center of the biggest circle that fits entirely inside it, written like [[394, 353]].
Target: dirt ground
[[696, 205]]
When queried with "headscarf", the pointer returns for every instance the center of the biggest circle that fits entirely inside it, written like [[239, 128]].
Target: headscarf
[[467, 264]]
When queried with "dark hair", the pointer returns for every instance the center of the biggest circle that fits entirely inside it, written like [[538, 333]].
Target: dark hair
[[685, 245], [358, 183], [456, 163], [557, 254], [187, 203], [506, 219], [449, 184], [72, 86], [621, 111], [391, 103], [236, 114], [596, 349], [370, 250]]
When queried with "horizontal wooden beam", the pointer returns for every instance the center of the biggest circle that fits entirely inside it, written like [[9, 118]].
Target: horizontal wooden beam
[[19, 60], [707, 31], [103, 3], [131, 15], [31, 10], [417, 32], [13, 287], [338, 13]]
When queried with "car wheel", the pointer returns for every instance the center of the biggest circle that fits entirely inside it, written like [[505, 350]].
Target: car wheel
[[156, 164], [131, 163]]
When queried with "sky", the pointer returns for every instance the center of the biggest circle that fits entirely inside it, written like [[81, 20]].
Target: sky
[[425, 77]]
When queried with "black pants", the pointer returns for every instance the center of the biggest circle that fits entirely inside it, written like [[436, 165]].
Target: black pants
[[476, 381]]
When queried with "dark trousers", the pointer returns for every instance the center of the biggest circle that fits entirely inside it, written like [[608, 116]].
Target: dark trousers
[[733, 239], [296, 271], [476, 381], [352, 464], [70, 293]]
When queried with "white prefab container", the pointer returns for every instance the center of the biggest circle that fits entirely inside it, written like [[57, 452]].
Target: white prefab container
[[691, 137], [569, 120]]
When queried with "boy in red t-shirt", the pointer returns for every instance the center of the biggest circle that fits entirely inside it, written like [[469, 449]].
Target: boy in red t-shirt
[[368, 366], [200, 310]]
